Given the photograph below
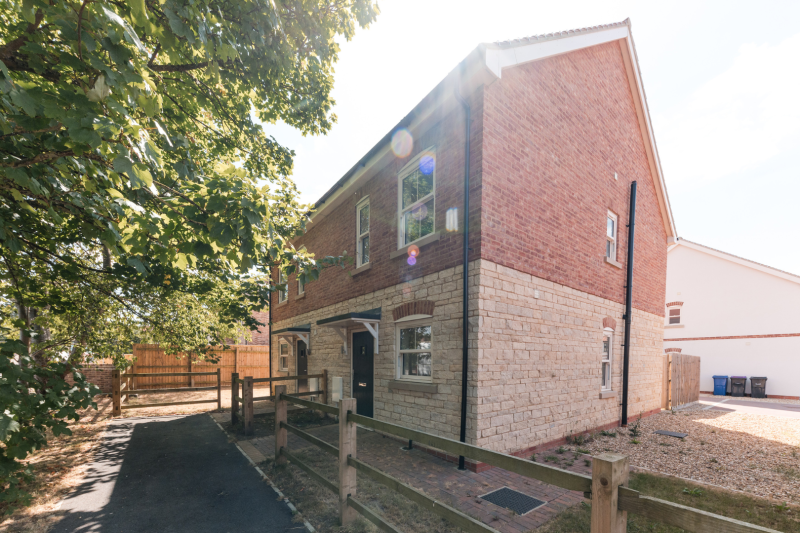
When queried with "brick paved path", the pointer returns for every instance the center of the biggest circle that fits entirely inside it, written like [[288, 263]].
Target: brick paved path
[[443, 481]]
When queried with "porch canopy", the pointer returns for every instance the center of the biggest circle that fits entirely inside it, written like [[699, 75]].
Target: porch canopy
[[369, 319], [302, 332]]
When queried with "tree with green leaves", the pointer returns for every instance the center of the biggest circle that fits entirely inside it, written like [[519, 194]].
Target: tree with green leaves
[[138, 189]]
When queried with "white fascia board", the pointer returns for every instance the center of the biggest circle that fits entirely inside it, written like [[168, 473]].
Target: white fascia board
[[737, 260], [499, 58]]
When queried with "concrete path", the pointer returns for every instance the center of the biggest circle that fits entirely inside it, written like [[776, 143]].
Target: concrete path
[[743, 405], [172, 474]]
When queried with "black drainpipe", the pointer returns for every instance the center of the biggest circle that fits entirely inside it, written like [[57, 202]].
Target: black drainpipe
[[465, 355], [628, 306], [269, 323]]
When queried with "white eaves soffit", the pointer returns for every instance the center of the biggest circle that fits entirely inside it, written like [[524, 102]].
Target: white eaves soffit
[[499, 57]]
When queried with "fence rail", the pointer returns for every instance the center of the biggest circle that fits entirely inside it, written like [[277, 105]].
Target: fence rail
[[611, 500], [120, 389]]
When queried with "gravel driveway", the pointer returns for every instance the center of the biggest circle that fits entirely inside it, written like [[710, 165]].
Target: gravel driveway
[[743, 451]]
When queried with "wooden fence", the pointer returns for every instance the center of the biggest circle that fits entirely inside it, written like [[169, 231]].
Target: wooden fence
[[252, 360], [611, 500], [681, 380], [122, 385], [246, 399]]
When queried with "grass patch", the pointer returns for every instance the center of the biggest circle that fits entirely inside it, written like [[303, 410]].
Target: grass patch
[[742, 507]]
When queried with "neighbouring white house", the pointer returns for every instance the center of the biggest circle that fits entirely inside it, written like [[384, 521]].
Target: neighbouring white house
[[741, 317]]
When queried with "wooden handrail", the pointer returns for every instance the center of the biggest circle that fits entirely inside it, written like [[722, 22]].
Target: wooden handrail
[[457, 518], [168, 404], [326, 447], [548, 474], [687, 518], [166, 374], [156, 391], [308, 403], [309, 393], [286, 378]]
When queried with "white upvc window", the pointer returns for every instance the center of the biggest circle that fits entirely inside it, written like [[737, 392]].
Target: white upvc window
[[301, 286], [416, 199], [283, 356], [611, 236], [283, 293], [606, 359], [414, 351], [362, 233], [675, 315]]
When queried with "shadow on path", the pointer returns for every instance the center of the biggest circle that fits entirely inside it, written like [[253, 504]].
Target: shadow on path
[[169, 474]]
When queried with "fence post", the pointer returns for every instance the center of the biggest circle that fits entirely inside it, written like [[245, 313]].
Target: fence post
[[234, 401], [609, 471], [116, 397], [281, 436], [247, 404], [324, 387], [347, 473], [219, 388]]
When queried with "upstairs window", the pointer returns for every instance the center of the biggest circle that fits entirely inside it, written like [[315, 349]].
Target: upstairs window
[[417, 186], [283, 294], [611, 236], [301, 286], [605, 360], [362, 233], [675, 315]]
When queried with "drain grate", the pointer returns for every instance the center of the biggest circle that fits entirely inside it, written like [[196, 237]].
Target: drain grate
[[671, 433], [513, 500]]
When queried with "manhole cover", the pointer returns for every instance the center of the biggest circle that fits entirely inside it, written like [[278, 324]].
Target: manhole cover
[[671, 433], [513, 500]]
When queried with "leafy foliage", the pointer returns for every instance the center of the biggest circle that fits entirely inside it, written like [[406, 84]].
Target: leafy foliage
[[140, 198]]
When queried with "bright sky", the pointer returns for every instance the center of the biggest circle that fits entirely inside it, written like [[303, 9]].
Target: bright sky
[[722, 81]]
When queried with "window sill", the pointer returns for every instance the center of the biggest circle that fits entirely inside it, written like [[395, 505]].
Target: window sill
[[362, 268], [433, 237], [286, 301], [612, 262], [415, 386], [673, 326], [605, 394], [300, 296]]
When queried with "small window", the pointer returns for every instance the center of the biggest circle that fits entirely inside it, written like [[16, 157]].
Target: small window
[[362, 233], [611, 236], [283, 294], [417, 202], [301, 285], [283, 358], [675, 316], [414, 353], [605, 364]]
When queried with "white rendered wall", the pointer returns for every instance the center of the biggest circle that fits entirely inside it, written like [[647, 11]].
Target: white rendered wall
[[723, 299]]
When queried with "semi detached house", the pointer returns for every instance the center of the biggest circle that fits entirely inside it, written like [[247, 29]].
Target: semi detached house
[[552, 132]]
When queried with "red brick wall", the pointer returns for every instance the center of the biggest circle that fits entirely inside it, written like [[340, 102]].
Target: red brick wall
[[555, 132], [99, 375], [261, 336], [337, 232]]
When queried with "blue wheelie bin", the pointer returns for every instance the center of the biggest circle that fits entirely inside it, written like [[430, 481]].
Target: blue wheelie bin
[[720, 385]]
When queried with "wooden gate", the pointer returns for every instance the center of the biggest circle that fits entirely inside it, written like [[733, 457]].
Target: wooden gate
[[250, 360], [681, 380]]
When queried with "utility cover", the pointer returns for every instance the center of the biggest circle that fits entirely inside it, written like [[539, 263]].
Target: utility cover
[[513, 500], [671, 433]]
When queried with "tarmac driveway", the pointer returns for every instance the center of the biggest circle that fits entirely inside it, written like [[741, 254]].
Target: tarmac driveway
[[170, 474], [750, 407]]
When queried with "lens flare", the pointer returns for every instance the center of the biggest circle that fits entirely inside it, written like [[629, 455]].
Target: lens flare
[[412, 260], [419, 212], [413, 251], [402, 142], [427, 163]]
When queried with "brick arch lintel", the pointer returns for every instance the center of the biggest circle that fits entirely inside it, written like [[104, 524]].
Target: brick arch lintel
[[417, 307], [674, 304], [671, 350], [609, 323]]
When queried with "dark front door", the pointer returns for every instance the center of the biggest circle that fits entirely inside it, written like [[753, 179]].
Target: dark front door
[[363, 366], [302, 366]]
